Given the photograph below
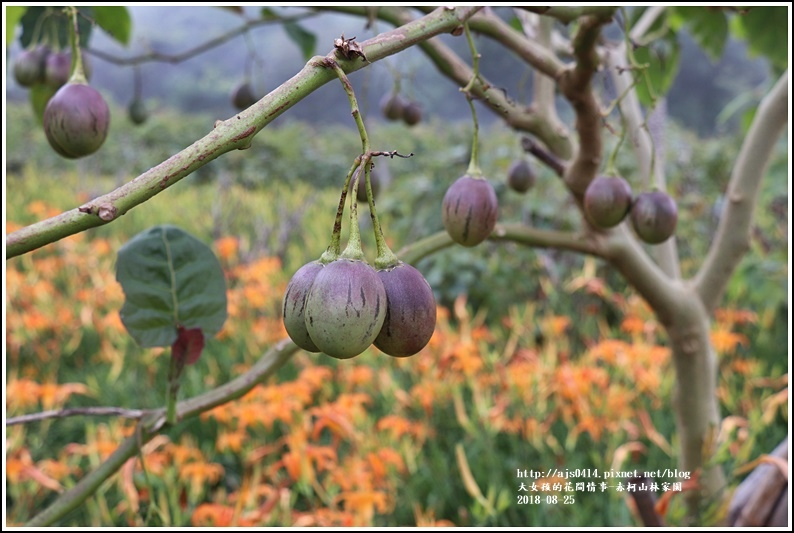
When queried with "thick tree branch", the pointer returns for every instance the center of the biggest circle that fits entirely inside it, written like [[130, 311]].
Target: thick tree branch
[[733, 234], [643, 146], [76, 411], [515, 232], [235, 133], [265, 367], [453, 67], [575, 85], [623, 251], [538, 55]]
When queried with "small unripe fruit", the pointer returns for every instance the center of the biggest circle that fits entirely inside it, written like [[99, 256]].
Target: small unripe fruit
[[29, 66], [345, 308], [294, 305], [654, 216], [392, 106], [243, 96], [520, 176], [76, 120], [137, 111], [607, 201], [469, 210], [412, 113], [410, 311]]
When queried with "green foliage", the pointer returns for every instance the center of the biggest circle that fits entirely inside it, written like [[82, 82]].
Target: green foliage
[[170, 280], [305, 39], [51, 25], [765, 28], [13, 14], [115, 20], [708, 26], [659, 61]]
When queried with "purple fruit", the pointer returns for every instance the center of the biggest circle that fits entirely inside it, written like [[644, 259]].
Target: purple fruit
[[607, 201], [243, 96], [412, 113], [654, 216], [58, 69], [469, 210], [76, 120], [520, 176], [294, 305], [29, 66], [392, 106], [410, 311], [345, 308]]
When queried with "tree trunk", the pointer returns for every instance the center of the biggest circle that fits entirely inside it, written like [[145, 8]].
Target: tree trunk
[[695, 399]]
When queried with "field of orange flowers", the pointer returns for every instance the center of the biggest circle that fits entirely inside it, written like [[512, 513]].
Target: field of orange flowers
[[434, 439]]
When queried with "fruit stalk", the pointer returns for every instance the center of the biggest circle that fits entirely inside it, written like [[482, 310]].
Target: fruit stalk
[[385, 256], [474, 162], [78, 75], [174, 373], [353, 249], [335, 248]]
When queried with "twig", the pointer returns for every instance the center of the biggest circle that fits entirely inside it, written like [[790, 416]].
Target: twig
[[77, 411], [543, 156], [197, 50]]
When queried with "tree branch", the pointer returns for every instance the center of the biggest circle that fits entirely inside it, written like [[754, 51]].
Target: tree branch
[[733, 234], [235, 133], [575, 85], [538, 55], [626, 255], [453, 67], [77, 411], [642, 143], [265, 367], [515, 232]]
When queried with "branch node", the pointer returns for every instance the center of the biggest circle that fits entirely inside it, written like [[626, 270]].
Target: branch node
[[107, 212]]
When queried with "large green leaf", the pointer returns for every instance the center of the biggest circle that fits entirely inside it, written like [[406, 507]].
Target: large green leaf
[[115, 20], [306, 40], [53, 26], [708, 27], [170, 279], [765, 28], [13, 16]]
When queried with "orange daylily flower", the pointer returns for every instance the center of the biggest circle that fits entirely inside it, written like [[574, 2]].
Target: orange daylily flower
[[228, 248], [726, 341]]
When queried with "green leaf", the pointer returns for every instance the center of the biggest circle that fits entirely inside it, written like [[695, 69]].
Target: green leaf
[[170, 279], [52, 26], [766, 31], [708, 27], [115, 20], [40, 94], [515, 23], [306, 40], [13, 16], [268, 14], [662, 57]]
